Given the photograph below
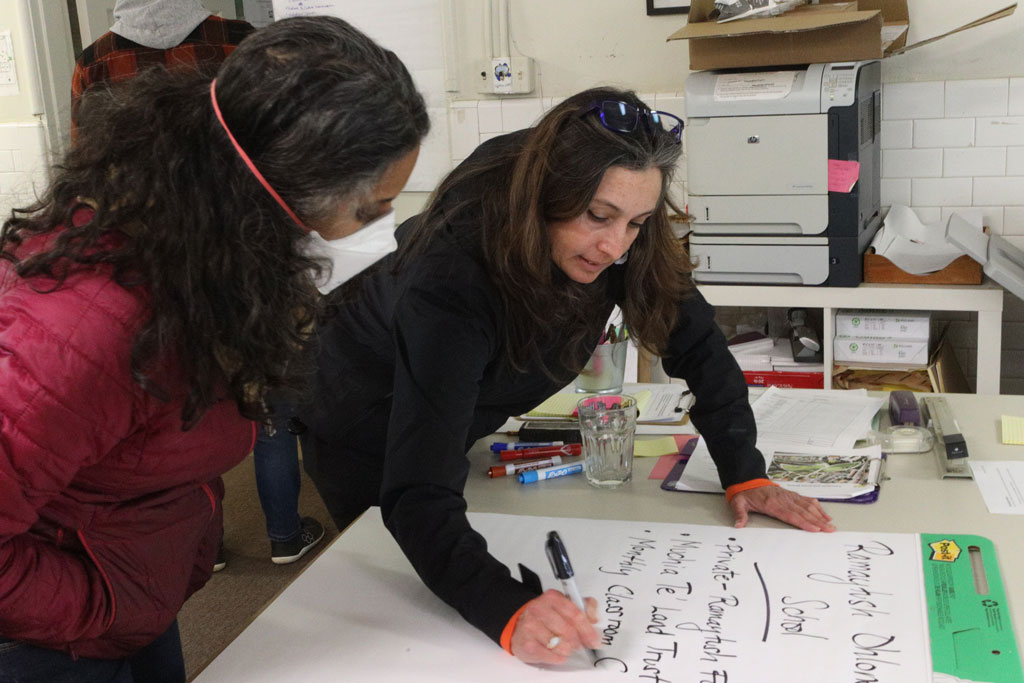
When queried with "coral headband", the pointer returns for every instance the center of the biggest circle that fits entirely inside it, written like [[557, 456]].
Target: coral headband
[[248, 161]]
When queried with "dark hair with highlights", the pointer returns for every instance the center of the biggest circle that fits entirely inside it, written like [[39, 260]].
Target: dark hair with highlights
[[555, 175], [323, 112]]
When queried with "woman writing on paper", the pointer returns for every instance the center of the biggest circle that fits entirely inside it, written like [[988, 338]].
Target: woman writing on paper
[[148, 304], [494, 301]]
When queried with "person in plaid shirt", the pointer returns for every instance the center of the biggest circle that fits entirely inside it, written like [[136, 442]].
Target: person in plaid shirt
[[170, 33]]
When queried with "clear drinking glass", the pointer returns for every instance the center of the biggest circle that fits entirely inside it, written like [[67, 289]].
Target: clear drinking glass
[[605, 370], [607, 425]]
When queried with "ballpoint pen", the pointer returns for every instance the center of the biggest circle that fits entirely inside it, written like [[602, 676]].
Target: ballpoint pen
[[560, 564]]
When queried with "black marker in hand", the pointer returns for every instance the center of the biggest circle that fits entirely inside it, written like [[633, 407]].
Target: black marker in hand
[[562, 567]]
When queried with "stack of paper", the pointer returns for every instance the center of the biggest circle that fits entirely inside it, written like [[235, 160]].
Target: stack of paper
[[767, 354], [821, 427], [782, 359], [753, 353]]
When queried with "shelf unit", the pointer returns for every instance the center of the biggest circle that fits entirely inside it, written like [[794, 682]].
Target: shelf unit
[[985, 299]]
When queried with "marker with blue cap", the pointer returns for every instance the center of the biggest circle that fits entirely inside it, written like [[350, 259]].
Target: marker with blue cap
[[550, 473]]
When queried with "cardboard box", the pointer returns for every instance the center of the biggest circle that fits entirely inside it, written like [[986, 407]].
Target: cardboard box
[[900, 325], [864, 351], [832, 31]]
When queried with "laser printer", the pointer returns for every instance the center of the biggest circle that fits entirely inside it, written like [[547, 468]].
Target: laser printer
[[758, 151]]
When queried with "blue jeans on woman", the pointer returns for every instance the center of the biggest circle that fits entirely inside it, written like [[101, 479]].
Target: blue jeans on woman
[[159, 662], [276, 461]]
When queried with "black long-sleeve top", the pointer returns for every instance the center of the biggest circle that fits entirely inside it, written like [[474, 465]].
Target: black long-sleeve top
[[412, 373]]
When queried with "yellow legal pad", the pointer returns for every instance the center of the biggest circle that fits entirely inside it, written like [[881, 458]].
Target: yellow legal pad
[[564, 405], [651, 448], [1013, 430]]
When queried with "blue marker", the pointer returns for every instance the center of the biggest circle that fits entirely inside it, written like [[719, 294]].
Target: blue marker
[[550, 473], [499, 446]]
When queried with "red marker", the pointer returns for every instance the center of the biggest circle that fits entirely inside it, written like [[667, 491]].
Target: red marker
[[524, 466], [528, 453]]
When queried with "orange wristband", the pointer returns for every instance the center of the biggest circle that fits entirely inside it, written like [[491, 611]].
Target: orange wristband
[[506, 634], [746, 486]]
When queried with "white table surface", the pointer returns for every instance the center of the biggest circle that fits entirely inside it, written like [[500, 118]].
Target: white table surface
[[913, 499]]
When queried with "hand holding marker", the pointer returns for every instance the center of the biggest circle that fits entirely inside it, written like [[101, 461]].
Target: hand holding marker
[[562, 567]]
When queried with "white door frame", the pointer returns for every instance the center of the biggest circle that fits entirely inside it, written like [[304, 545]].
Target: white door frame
[[50, 31]]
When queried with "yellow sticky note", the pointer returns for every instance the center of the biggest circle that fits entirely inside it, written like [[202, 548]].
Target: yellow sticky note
[[654, 447], [559, 405], [1013, 430]]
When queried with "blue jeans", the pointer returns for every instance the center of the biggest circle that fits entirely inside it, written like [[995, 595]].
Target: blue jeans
[[159, 662], [276, 460]]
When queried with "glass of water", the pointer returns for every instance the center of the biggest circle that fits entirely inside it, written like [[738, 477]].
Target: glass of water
[[607, 425]]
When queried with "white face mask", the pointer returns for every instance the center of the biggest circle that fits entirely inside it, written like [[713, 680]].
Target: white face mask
[[353, 254]]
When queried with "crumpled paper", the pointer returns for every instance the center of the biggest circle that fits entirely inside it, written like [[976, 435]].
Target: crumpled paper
[[915, 247]]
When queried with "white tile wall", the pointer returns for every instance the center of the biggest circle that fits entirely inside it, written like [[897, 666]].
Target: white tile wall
[[895, 191], [897, 134], [520, 113], [912, 163], [944, 133], [489, 112], [972, 161], [940, 191], [23, 165], [976, 98], [1001, 132], [1015, 161], [913, 100], [1016, 105], [1005, 191], [1013, 220], [978, 127]]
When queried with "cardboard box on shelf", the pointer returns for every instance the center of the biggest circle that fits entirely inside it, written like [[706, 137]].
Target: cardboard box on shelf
[[863, 351], [832, 31], [943, 375], [904, 325]]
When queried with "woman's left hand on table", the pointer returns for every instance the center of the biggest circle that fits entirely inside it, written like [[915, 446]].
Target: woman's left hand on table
[[800, 511]]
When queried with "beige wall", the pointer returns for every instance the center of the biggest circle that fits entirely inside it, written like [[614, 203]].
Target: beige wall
[[16, 108], [580, 43]]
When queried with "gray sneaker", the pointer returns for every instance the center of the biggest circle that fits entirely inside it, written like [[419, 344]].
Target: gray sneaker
[[286, 552]]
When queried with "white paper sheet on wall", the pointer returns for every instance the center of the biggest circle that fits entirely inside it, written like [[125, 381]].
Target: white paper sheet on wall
[[677, 603], [412, 30], [8, 68]]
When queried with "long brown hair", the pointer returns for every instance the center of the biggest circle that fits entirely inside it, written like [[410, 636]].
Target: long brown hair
[[554, 176]]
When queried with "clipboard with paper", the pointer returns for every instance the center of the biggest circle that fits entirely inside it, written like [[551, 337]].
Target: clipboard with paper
[[807, 439], [658, 404]]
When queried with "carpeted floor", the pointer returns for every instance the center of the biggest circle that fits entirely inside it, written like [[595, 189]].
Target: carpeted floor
[[234, 596]]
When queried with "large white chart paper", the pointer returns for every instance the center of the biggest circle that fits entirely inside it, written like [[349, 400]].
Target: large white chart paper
[[679, 603]]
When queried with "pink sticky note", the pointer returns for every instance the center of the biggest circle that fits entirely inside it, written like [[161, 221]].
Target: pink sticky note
[[667, 462], [842, 175]]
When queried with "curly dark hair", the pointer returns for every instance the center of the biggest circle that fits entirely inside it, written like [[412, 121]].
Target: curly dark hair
[[323, 112]]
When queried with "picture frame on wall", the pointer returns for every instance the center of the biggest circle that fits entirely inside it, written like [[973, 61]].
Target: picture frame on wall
[[658, 7]]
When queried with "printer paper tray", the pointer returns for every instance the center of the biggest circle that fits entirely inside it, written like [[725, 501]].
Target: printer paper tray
[[759, 214], [760, 260]]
